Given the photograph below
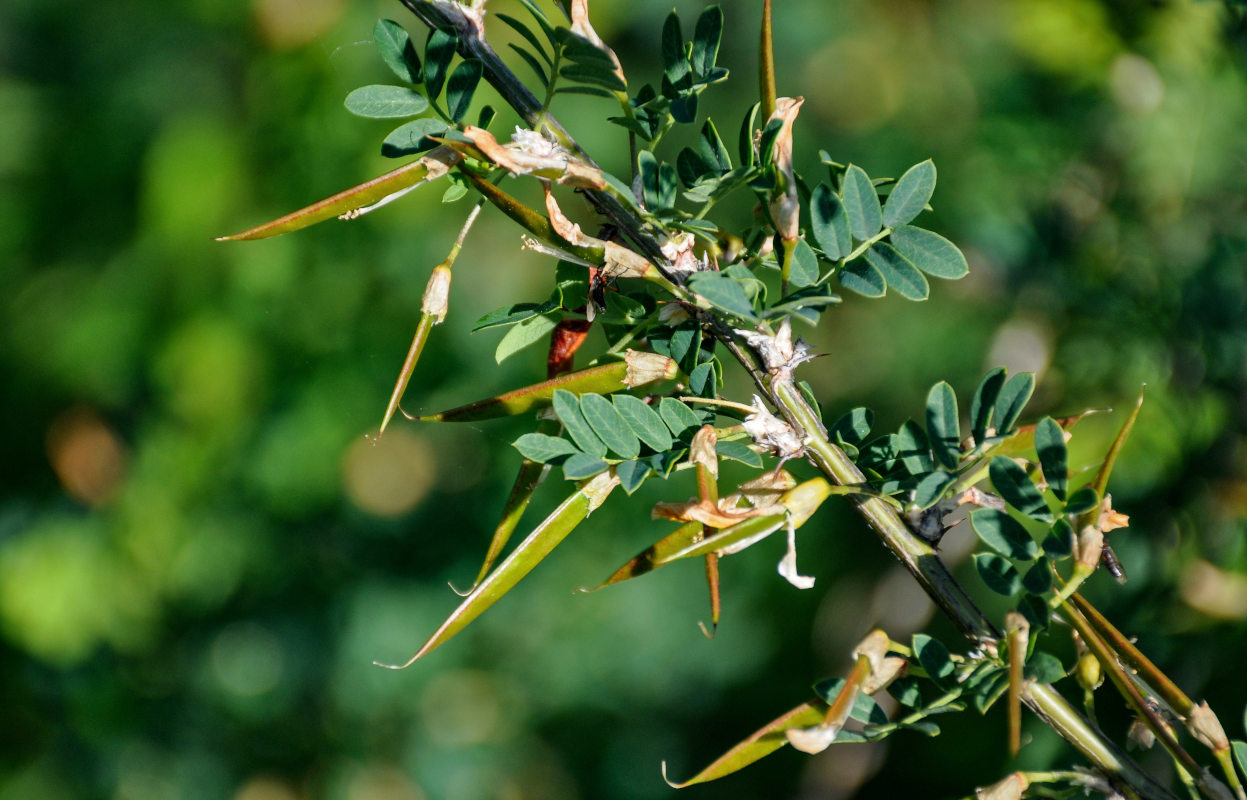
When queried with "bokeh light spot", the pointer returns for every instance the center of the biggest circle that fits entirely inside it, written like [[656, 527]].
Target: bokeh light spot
[[391, 477], [247, 659], [87, 456]]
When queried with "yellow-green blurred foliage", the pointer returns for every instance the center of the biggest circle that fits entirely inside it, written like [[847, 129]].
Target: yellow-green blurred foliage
[[200, 556]]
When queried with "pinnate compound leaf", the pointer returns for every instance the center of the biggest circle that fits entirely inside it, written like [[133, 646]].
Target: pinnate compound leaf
[[644, 422], [861, 203], [898, 272], [1050, 445], [582, 465], [528, 332], [609, 425], [380, 101], [761, 743], [461, 87], [543, 448], [804, 268], [1013, 397], [935, 659], [984, 403], [526, 555], [998, 574], [1012, 483], [397, 50], [706, 37], [864, 278], [567, 407], [830, 223], [1003, 534], [910, 195], [943, 427], [723, 293]]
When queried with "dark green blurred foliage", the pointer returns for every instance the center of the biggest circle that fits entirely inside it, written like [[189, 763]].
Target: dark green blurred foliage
[[200, 556]]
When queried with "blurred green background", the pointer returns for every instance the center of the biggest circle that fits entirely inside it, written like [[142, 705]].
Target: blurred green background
[[201, 555]]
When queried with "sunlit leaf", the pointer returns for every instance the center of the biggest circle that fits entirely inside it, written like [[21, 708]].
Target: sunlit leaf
[[910, 195], [644, 421], [739, 451], [706, 36], [1003, 534], [723, 293], [678, 417], [386, 102], [864, 278], [898, 272], [609, 425], [803, 269], [582, 465], [861, 203], [543, 448], [865, 709], [528, 332], [412, 137], [930, 252], [567, 407]]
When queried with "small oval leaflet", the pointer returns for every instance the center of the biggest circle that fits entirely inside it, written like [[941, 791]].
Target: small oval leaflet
[[930, 252], [1004, 534], [998, 574], [567, 407], [380, 101], [861, 203], [898, 272], [644, 421], [862, 277], [910, 195], [609, 425], [830, 224]]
